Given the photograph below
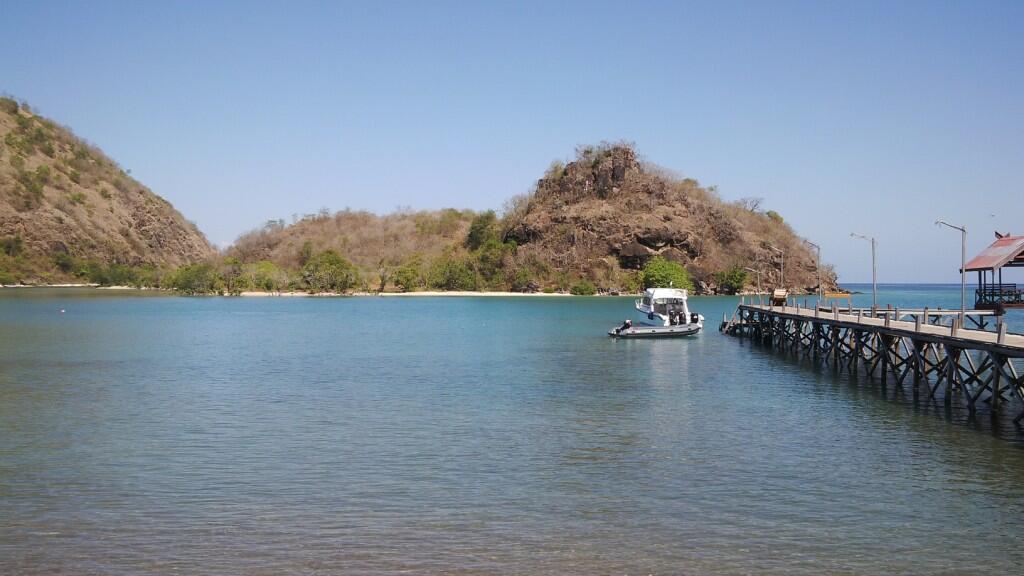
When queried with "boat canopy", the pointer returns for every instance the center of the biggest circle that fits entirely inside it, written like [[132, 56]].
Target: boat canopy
[[654, 294]]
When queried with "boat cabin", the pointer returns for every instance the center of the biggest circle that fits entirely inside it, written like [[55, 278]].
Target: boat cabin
[[662, 300], [667, 305]]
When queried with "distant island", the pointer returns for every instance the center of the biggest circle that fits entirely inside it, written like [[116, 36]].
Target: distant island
[[605, 222]]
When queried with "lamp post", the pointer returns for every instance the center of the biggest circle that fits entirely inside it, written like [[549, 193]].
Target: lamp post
[[874, 269], [758, 272], [963, 264], [817, 267], [782, 266]]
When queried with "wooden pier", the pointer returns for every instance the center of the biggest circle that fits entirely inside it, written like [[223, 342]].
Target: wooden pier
[[980, 368]]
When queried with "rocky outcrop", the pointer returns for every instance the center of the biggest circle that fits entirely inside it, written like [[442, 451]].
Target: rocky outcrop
[[609, 207]]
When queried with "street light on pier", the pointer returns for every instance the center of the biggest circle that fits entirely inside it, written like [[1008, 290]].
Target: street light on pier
[[782, 266], [817, 267], [758, 272], [963, 264], [874, 269]]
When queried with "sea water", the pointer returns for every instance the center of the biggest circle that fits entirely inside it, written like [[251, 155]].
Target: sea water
[[144, 433]]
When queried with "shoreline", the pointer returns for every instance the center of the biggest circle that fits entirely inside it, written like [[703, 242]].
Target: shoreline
[[427, 293], [422, 293], [300, 294]]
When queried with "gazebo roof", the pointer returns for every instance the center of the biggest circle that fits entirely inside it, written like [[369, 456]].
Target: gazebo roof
[[1007, 251]]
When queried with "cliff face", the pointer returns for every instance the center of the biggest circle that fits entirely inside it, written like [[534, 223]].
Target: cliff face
[[607, 211], [59, 195]]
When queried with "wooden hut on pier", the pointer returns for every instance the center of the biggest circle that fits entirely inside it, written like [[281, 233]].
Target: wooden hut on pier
[[1006, 252]]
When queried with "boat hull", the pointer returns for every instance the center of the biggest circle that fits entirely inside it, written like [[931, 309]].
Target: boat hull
[[679, 331]]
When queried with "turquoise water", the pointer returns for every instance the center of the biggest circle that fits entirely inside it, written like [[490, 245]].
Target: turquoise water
[[141, 433]]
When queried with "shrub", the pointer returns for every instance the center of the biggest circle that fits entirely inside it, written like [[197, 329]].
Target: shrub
[[103, 274], [482, 229], [523, 281], [64, 262], [196, 279], [329, 272], [407, 277], [555, 171], [32, 186], [8, 105], [732, 280], [77, 197], [490, 258], [12, 245], [266, 276], [231, 274], [774, 216], [451, 273], [583, 288], [632, 281], [148, 276], [305, 253], [661, 273]]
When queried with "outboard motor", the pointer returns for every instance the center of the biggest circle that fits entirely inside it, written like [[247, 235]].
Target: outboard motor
[[694, 318]]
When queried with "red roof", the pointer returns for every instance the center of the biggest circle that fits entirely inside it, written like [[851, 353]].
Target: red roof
[[1006, 251]]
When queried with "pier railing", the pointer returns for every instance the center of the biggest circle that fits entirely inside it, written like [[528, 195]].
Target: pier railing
[[1005, 294]]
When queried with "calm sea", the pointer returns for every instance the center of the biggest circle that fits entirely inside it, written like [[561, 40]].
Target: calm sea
[[142, 433]]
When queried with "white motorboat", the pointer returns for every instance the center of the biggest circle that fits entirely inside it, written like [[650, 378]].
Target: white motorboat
[[664, 313]]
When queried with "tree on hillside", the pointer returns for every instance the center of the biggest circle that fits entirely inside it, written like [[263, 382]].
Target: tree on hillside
[[491, 260], [661, 273], [484, 227], [449, 272], [583, 288], [305, 253], [732, 280], [231, 273], [329, 272], [408, 276], [266, 276], [12, 245], [196, 279]]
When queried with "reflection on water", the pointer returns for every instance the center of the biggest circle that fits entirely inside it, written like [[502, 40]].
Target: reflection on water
[[143, 434]]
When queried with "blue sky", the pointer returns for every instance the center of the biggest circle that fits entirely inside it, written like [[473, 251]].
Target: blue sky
[[856, 116]]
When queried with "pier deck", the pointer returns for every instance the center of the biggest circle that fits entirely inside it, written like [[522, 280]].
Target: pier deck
[[982, 368]]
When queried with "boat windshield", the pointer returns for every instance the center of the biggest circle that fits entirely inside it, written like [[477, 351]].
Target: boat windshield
[[664, 305]]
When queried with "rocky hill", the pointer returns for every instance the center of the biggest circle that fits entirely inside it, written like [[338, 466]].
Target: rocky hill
[[608, 212], [600, 219], [62, 200]]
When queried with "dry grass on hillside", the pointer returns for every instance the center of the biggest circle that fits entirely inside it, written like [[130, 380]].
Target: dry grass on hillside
[[62, 196], [369, 240]]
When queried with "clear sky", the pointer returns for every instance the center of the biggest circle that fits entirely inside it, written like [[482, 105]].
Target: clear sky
[[844, 116]]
